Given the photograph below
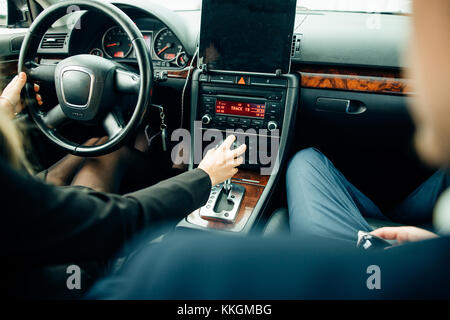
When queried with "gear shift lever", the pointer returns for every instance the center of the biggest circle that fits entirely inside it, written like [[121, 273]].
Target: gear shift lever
[[227, 185], [224, 201]]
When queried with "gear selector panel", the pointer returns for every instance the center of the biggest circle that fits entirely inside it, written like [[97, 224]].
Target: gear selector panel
[[224, 202]]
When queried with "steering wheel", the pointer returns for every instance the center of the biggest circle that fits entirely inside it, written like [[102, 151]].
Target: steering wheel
[[87, 86]]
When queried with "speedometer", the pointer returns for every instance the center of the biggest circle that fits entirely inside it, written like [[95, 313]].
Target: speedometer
[[167, 46], [116, 43]]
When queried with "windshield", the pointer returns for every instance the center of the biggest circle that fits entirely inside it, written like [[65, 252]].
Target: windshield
[[378, 6]]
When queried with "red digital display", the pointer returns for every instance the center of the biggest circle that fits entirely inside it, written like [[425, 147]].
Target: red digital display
[[244, 109], [169, 56]]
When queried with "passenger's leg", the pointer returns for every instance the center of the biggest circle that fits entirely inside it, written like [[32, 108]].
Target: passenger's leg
[[417, 209], [322, 202]]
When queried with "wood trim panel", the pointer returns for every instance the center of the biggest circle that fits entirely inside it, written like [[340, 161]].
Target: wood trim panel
[[178, 74], [183, 73], [341, 78], [352, 79], [254, 185]]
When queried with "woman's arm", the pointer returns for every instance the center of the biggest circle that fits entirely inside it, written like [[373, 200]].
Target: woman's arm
[[47, 224]]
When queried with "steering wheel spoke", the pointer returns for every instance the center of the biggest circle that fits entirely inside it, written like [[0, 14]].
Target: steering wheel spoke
[[127, 81], [112, 125], [40, 72], [54, 118]]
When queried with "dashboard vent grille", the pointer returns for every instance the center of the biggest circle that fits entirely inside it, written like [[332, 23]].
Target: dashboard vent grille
[[294, 39], [53, 40], [296, 44]]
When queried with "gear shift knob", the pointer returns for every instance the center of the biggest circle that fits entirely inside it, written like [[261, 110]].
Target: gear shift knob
[[227, 185]]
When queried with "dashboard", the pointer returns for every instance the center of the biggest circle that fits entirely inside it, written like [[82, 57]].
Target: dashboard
[[108, 40], [316, 39]]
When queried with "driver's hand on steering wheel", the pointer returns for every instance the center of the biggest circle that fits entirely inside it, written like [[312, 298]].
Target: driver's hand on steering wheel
[[10, 97], [36, 88]]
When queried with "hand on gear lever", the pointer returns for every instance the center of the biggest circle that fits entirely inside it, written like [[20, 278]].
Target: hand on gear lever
[[221, 163]]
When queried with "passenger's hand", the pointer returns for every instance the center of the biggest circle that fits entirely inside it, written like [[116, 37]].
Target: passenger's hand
[[10, 98], [220, 164], [404, 234]]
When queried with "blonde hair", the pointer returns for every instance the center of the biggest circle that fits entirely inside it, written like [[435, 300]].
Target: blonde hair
[[12, 143]]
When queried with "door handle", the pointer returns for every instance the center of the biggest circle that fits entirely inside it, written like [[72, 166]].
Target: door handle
[[348, 106]]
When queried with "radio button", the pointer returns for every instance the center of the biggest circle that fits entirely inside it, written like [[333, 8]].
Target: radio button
[[272, 125], [260, 81], [209, 106], [257, 124], [206, 119], [274, 105], [269, 82], [273, 109], [221, 118], [245, 123], [274, 112], [222, 79], [209, 100], [233, 121], [272, 117], [275, 97]]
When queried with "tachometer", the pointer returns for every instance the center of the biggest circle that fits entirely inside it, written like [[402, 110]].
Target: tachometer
[[116, 43], [167, 46]]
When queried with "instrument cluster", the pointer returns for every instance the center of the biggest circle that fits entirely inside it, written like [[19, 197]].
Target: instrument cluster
[[165, 48]]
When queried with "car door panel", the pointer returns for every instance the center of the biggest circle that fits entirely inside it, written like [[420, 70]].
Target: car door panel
[[374, 149]]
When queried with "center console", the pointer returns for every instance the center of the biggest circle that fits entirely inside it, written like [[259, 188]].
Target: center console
[[242, 87], [260, 110]]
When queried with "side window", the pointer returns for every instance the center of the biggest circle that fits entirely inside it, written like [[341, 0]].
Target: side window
[[3, 13], [14, 14]]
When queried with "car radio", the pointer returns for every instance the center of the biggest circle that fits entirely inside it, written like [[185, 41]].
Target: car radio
[[243, 102]]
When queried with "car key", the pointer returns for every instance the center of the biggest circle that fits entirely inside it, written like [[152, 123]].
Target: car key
[[368, 241]]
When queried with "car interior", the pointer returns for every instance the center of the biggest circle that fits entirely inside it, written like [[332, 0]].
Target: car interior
[[334, 80]]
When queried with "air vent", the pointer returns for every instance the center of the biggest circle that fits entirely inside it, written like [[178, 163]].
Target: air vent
[[296, 44], [294, 39], [53, 41]]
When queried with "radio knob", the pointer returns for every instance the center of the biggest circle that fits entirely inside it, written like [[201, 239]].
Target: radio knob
[[272, 125], [206, 119]]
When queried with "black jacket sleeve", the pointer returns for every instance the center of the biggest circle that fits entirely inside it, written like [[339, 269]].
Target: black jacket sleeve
[[49, 224]]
